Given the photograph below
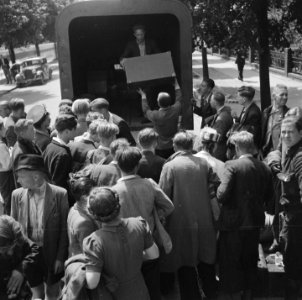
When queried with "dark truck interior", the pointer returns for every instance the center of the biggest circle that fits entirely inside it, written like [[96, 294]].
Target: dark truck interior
[[96, 44]]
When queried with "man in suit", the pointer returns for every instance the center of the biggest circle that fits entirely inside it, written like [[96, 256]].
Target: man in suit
[[250, 117], [245, 187], [140, 46], [101, 105], [272, 117], [201, 102], [42, 208], [4, 63], [150, 165], [222, 123]]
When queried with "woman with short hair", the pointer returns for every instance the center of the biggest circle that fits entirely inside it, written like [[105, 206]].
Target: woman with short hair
[[118, 248]]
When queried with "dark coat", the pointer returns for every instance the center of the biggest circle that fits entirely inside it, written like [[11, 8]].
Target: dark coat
[[251, 122], [273, 141], [106, 174], [42, 139], [246, 185], [58, 161], [132, 49], [222, 122], [10, 135], [150, 166], [55, 240], [79, 152], [124, 130], [205, 110]]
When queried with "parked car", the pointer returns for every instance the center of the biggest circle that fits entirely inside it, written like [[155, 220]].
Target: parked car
[[33, 70]]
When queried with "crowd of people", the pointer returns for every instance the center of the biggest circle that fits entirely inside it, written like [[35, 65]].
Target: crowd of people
[[92, 213]]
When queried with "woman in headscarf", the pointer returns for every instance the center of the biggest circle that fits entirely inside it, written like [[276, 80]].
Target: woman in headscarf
[[117, 249], [18, 259]]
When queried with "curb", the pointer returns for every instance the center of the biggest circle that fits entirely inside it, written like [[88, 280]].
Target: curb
[[8, 91]]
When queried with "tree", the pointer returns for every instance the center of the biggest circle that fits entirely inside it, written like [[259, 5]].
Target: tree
[[12, 20]]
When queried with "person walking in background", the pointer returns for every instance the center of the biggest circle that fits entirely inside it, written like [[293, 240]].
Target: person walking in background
[[4, 64], [240, 62]]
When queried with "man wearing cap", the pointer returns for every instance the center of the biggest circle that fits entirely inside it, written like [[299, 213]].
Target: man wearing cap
[[57, 156], [42, 209], [205, 144], [101, 105], [25, 144], [250, 117], [166, 120], [17, 106], [222, 123], [41, 121]]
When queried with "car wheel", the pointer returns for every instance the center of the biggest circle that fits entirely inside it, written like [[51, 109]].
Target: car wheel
[[19, 85], [50, 74], [42, 80]]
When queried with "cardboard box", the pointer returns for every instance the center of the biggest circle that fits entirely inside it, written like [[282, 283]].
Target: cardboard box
[[149, 69]]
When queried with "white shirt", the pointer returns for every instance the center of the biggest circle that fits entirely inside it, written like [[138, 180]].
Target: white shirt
[[5, 158]]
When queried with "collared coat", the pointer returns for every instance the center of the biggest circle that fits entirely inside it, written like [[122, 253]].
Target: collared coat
[[222, 122], [186, 180], [55, 240]]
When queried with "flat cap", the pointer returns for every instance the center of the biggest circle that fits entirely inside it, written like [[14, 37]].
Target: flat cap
[[209, 134], [99, 103], [37, 113], [65, 102]]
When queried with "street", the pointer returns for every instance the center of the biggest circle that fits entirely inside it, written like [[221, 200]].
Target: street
[[224, 72]]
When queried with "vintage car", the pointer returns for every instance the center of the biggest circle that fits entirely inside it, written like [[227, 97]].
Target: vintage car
[[33, 70]]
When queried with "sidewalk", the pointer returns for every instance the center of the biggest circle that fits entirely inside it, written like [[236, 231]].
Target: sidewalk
[[224, 73]]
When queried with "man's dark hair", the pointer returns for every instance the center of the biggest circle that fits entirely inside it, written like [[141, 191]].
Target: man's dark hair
[[164, 100], [183, 140], [247, 92], [80, 187], [128, 159], [210, 82], [64, 122], [219, 98], [147, 137], [16, 104]]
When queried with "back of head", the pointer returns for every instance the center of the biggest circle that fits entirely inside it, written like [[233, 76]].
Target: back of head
[[128, 159], [103, 204], [98, 104], [93, 126], [80, 186], [10, 232], [16, 104], [93, 115], [247, 92], [65, 121], [67, 102], [244, 140], [107, 130], [147, 137], [118, 144], [80, 107], [164, 100], [22, 125], [183, 141], [206, 139], [219, 98]]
